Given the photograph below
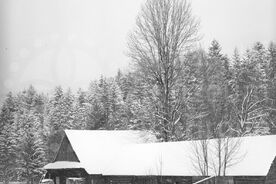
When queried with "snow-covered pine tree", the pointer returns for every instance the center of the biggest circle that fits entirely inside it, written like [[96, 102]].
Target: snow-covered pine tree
[[214, 79], [106, 105], [30, 101], [8, 140], [259, 59], [56, 121], [248, 101], [67, 110], [96, 111], [104, 101], [8, 110], [125, 82], [272, 61], [8, 152], [271, 87], [140, 103], [54, 108], [195, 109], [117, 107], [81, 108], [236, 71], [61, 111], [27, 98], [236, 59], [219, 90], [32, 151]]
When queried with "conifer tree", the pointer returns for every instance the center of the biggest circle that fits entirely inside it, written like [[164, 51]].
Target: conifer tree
[[141, 107], [32, 153], [30, 101], [97, 109], [8, 152], [248, 102], [8, 139], [271, 87], [215, 85], [107, 107], [117, 106], [56, 107], [8, 110], [67, 110], [81, 108], [57, 121]]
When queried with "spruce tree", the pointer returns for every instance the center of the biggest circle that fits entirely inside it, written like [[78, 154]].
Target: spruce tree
[[81, 108], [8, 139], [97, 99], [271, 88], [248, 101], [57, 121], [67, 110], [32, 151], [117, 118], [215, 88]]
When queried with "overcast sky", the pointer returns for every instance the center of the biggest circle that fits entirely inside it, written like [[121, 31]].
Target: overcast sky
[[71, 42]]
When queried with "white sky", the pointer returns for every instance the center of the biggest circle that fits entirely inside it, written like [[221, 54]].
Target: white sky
[[71, 42]]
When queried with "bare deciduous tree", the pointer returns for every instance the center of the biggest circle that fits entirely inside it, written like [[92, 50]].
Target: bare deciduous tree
[[159, 168], [217, 155], [165, 30], [226, 153], [249, 115], [200, 156]]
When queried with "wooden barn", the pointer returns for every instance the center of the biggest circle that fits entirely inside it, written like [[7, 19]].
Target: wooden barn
[[126, 157]]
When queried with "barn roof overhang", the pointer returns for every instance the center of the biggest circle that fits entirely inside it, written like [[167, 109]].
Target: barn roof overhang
[[63, 165]]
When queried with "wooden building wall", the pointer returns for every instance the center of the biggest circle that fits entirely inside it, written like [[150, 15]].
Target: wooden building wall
[[249, 179], [143, 180], [233, 180], [62, 174], [66, 152], [98, 179]]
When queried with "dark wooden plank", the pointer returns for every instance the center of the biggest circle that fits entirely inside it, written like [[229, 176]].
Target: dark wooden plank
[[66, 152], [249, 180]]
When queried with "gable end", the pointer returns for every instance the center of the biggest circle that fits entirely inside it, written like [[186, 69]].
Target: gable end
[[66, 151]]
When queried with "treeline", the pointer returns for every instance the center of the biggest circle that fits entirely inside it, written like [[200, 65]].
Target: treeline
[[215, 96]]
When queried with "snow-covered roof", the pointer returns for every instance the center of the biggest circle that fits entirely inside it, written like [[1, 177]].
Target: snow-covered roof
[[138, 153], [63, 164], [253, 158], [96, 148]]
